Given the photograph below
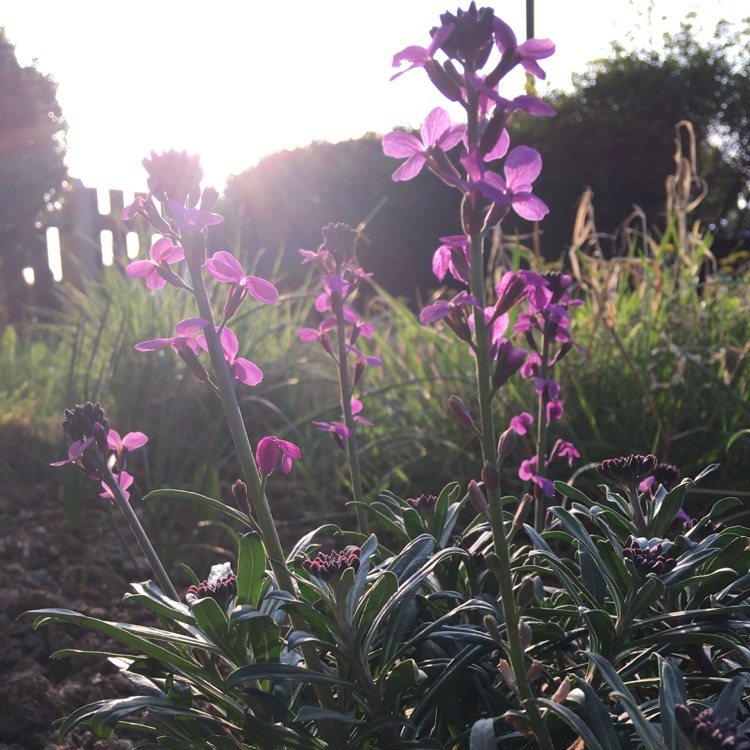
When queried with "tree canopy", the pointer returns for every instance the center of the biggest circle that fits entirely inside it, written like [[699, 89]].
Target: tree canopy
[[32, 168], [615, 132]]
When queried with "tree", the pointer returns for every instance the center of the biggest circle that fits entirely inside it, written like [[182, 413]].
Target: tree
[[32, 172], [615, 133]]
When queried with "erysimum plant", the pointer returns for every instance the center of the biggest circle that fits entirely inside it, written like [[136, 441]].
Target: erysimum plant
[[606, 622]]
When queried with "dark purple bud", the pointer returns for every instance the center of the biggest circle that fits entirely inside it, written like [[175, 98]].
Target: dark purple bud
[[460, 412], [209, 199], [442, 81], [509, 361], [522, 512], [477, 499], [472, 37], [221, 587], [627, 471], [330, 566], [493, 130], [100, 436], [472, 209], [424, 502], [340, 240], [239, 490], [236, 296], [359, 368], [80, 420], [174, 175], [495, 215], [649, 559], [190, 358], [525, 594], [505, 444]]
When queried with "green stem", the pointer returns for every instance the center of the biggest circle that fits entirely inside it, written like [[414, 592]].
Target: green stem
[[346, 403], [540, 499], [194, 254], [139, 532]]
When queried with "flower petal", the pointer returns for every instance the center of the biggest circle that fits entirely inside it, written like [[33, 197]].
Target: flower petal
[[260, 289], [246, 371], [223, 266], [401, 145], [522, 166]]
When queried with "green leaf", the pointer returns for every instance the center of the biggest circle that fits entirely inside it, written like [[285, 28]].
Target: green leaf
[[671, 692], [313, 713], [598, 717], [251, 569], [354, 595], [665, 508], [150, 595], [647, 732], [730, 698], [265, 638], [575, 723], [211, 619], [567, 490], [209, 502], [402, 676], [380, 592], [277, 672], [722, 506], [592, 577]]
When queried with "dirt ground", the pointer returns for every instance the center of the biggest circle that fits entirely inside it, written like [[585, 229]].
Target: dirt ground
[[47, 562]]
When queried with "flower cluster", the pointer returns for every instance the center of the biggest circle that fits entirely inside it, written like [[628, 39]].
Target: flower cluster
[[628, 471], [335, 260], [424, 502], [664, 475], [330, 566], [649, 558], [96, 446], [270, 449], [174, 183], [221, 588], [707, 731]]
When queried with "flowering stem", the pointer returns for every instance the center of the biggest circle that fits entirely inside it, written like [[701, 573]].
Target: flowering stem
[[540, 504], [346, 403], [139, 532], [495, 503], [194, 253]]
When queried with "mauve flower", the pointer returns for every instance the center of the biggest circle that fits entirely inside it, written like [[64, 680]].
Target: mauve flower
[[124, 480], [184, 344], [157, 271], [453, 256], [125, 445], [438, 134], [527, 53], [527, 472], [191, 219], [270, 448], [522, 166], [244, 370], [223, 266], [522, 422], [443, 308], [418, 56]]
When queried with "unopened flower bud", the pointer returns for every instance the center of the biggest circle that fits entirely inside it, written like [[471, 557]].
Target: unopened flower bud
[[235, 298], [524, 631], [341, 241], [493, 562], [522, 511], [209, 199], [477, 499], [491, 477], [525, 595], [471, 214], [359, 368], [441, 80], [534, 672], [100, 435], [505, 444], [239, 490], [519, 723], [507, 672], [490, 624], [460, 412], [562, 691], [190, 358]]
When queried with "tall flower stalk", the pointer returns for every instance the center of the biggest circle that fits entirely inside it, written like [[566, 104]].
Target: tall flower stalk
[[467, 39]]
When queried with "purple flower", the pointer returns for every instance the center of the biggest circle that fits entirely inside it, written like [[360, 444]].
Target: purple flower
[[241, 369], [522, 167], [527, 53], [339, 429], [157, 271], [123, 446], [75, 452], [442, 308], [225, 267], [528, 472], [185, 330], [564, 449], [183, 343], [438, 134], [453, 256], [124, 480], [418, 56], [191, 219], [522, 422], [269, 450]]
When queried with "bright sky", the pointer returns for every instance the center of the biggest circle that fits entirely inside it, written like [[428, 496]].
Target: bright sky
[[234, 80]]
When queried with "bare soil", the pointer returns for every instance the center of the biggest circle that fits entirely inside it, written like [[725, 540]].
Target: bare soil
[[48, 562]]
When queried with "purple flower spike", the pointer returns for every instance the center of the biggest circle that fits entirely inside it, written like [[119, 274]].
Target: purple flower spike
[[268, 452], [223, 266], [438, 133], [157, 271]]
